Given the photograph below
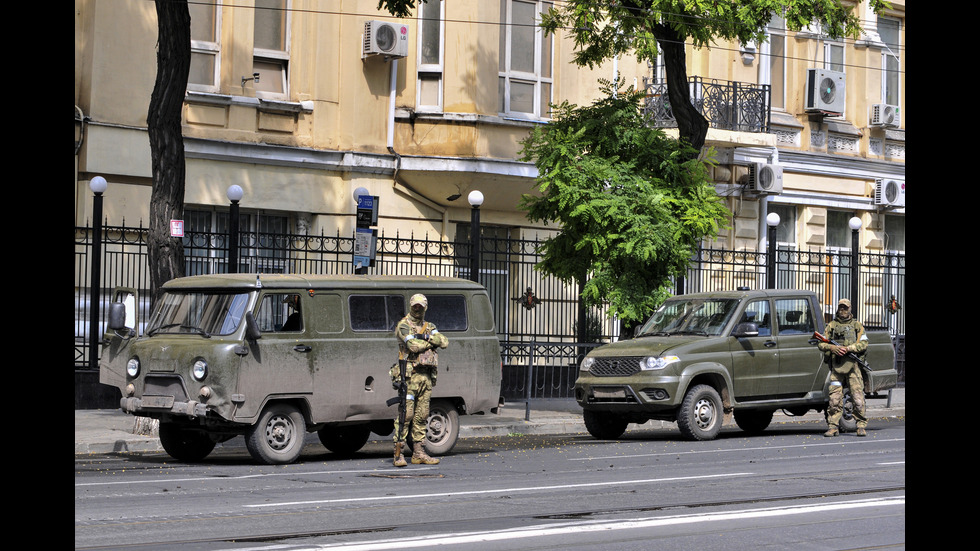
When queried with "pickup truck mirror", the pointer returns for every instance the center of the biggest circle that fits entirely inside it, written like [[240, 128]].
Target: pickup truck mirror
[[746, 329], [252, 331]]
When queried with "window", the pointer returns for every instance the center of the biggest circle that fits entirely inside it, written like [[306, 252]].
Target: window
[[376, 312], [447, 312], [786, 230], [206, 242], [833, 56], [894, 232], [279, 312], [525, 80], [271, 50], [205, 46], [772, 68], [838, 230], [889, 30], [430, 67], [757, 312], [794, 316]]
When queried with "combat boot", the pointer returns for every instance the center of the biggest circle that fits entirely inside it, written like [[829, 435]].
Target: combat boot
[[399, 458], [832, 431], [861, 432], [419, 456]]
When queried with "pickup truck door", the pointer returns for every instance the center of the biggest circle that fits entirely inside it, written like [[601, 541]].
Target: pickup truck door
[[755, 360], [800, 362]]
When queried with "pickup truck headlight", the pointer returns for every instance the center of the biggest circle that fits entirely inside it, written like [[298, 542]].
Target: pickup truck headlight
[[200, 370], [586, 364], [133, 367], [657, 362]]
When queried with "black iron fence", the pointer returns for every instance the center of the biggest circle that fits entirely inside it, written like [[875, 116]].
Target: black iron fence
[[727, 105], [536, 315]]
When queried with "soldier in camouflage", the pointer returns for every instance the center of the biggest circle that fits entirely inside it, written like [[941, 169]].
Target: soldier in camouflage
[[849, 335], [418, 341]]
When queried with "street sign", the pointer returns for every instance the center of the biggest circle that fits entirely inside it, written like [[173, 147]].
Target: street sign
[[367, 211]]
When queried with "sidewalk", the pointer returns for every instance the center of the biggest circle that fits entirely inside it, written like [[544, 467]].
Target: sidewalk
[[107, 431]]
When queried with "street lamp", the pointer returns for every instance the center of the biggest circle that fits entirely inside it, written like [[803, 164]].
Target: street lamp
[[772, 220], [98, 186], [235, 194], [855, 225], [475, 199]]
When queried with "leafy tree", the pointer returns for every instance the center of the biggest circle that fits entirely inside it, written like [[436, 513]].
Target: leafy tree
[[632, 203], [602, 30]]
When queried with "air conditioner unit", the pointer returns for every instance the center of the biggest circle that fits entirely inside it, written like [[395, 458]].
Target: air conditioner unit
[[885, 115], [890, 193], [825, 92], [385, 38], [765, 179]]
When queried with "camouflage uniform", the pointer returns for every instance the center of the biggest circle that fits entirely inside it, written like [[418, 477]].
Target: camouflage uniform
[[849, 334], [417, 343]]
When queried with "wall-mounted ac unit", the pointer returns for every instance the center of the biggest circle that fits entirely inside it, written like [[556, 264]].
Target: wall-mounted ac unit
[[825, 92], [765, 179], [385, 38], [885, 115], [889, 193]]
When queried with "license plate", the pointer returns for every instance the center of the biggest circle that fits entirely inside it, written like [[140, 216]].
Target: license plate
[[609, 393], [158, 401]]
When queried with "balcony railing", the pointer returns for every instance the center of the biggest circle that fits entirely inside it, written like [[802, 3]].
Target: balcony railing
[[734, 106]]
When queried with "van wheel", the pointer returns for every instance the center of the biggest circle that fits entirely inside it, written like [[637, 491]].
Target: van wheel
[[184, 444], [604, 425], [344, 440], [278, 436], [443, 428], [700, 415], [753, 421]]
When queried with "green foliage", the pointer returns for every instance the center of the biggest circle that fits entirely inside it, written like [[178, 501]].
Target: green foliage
[[632, 203]]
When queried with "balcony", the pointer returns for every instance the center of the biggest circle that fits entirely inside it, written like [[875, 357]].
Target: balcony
[[736, 106]]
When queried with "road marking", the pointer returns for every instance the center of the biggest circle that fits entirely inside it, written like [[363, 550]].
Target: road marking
[[731, 450], [497, 491], [565, 529], [242, 477]]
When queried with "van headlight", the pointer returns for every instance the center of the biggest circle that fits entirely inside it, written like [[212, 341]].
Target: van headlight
[[199, 370], [133, 367], [657, 362], [586, 364]]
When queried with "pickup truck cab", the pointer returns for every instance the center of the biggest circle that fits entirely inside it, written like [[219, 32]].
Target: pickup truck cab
[[702, 356], [272, 357]]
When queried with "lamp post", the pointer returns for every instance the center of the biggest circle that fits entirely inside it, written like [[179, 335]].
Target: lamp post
[[855, 225], [475, 199], [772, 220], [235, 194], [98, 186]]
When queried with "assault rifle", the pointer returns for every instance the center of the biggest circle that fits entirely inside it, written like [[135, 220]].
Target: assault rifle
[[850, 355], [401, 400]]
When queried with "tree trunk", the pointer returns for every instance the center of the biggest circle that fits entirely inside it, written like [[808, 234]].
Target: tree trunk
[[166, 253], [691, 124]]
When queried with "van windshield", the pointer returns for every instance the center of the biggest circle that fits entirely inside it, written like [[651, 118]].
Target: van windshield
[[690, 317], [204, 314]]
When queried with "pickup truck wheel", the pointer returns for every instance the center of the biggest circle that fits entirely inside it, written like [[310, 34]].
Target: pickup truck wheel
[[278, 436], [753, 421], [443, 428], [184, 444], [604, 425], [344, 441], [700, 415]]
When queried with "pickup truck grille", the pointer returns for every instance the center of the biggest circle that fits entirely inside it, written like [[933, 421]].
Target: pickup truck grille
[[615, 367]]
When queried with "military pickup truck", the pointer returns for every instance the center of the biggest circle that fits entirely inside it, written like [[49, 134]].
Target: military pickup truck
[[703, 356]]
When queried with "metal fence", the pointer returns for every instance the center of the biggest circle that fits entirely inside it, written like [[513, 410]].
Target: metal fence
[[727, 105], [536, 315]]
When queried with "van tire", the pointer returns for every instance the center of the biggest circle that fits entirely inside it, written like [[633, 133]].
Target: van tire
[[700, 415], [603, 425], [443, 427], [344, 441], [278, 436], [184, 444]]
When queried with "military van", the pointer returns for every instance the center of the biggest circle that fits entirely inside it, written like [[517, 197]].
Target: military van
[[272, 357]]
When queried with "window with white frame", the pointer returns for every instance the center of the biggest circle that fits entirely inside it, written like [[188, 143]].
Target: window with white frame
[[525, 78], [205, 46], [889, 29], [430, 59], [271, 48], [772, 66], [833, 56]]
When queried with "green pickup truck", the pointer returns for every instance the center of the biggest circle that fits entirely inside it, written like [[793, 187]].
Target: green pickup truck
[[702, 356]]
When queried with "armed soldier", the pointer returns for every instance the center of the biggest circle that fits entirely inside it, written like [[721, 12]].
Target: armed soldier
[[418, 341], [849, 343]]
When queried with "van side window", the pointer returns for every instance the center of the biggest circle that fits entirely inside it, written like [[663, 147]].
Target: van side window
[[447, 312], [279, 312], [375, 312], [794, 316]]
